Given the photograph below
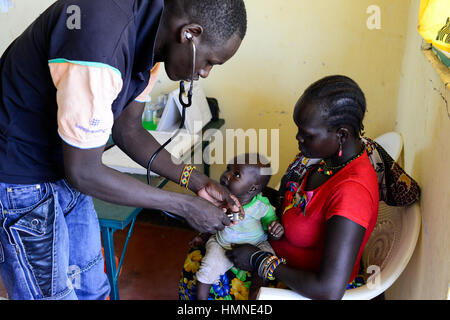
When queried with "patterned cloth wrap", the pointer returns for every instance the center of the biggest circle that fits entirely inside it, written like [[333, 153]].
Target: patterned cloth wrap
[[233, 285], [396, 187]]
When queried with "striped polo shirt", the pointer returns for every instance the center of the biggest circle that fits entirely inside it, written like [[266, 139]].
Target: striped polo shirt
[[67, 77]]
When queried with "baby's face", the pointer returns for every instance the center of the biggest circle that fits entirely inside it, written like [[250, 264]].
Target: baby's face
[[239, 178]]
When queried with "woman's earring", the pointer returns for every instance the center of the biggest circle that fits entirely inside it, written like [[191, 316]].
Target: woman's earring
[[340, 149]]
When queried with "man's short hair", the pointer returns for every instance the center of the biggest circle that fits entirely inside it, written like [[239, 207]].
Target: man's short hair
[[220, 19]]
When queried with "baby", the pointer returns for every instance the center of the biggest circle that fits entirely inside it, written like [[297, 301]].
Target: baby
[[246, 181]]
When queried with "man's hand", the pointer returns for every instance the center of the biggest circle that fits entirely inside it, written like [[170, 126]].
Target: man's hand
[[203, 216], [220, 197]]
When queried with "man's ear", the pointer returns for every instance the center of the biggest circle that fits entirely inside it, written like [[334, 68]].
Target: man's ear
[[193, 29]]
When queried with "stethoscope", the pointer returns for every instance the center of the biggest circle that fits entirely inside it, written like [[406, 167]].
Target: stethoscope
[[184, 105], [234, 215]]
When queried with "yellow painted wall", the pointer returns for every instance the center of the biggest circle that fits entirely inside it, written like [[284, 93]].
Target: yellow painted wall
[[292, 43], [423, 118]]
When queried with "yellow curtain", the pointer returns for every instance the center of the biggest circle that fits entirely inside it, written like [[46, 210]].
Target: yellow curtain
[[434, 23]]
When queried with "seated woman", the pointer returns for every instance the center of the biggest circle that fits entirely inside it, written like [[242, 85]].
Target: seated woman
[[332, 212], [328, 211]]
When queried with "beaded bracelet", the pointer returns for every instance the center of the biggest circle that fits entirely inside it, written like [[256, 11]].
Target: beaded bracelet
[[263, 265], [267, 265], [186, 175], [272, 266], [253, 254], [260, 257]]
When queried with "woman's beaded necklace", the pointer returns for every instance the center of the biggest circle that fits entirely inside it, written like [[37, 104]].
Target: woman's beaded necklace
[[328, 170]]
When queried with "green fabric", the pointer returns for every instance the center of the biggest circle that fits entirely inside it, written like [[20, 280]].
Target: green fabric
[[87, 63], [251, 203], [270, 215], [445, 60], [253, 228]]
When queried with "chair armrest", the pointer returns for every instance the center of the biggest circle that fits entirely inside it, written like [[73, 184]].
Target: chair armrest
[[278, 294], [361, 293]]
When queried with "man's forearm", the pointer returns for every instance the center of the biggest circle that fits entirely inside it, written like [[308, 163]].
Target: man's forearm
[[141, 145], [112, 186]]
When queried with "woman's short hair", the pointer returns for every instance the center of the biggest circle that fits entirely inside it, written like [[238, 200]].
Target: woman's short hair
[[341, 99]]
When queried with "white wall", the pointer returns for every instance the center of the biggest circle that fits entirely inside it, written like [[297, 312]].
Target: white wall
[[423, 118], [18, 18]]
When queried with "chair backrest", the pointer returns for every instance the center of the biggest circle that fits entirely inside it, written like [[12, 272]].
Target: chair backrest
[[394, 237], [392, 142], [403, 246], [387, 231], [389, 249], [384, 238]]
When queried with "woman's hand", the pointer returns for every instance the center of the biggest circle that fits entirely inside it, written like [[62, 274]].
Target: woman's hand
[[276, 230], [240, 255]]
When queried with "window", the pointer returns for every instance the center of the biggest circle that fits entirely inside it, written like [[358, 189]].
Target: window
[[434, 27]]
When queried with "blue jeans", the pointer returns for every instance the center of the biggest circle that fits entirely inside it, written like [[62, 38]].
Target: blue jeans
[[50, 244]]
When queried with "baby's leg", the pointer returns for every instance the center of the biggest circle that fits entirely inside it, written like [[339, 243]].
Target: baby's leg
[[203, 290], [214, 264], [265, 246]]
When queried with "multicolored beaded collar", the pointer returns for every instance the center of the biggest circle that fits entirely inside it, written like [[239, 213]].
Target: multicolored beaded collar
[[328, 170]]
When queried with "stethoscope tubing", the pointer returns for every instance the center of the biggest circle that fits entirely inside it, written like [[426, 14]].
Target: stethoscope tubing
[[184, 105]]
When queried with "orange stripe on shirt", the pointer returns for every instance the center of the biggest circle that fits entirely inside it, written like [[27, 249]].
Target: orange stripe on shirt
[[84, 96]]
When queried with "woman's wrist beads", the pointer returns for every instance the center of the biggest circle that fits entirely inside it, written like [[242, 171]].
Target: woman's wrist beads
[[265, 264], [270, 269]]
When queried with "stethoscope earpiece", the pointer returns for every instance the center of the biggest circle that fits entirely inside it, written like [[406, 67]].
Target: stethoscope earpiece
[[182, 90]]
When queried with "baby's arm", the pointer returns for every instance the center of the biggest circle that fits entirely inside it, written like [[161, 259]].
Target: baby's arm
[[275, 230], [271, 225]]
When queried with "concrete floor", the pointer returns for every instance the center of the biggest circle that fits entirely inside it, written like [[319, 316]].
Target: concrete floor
[[153, 261]]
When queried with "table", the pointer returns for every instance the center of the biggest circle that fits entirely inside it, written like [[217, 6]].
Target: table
[[114, 217]]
